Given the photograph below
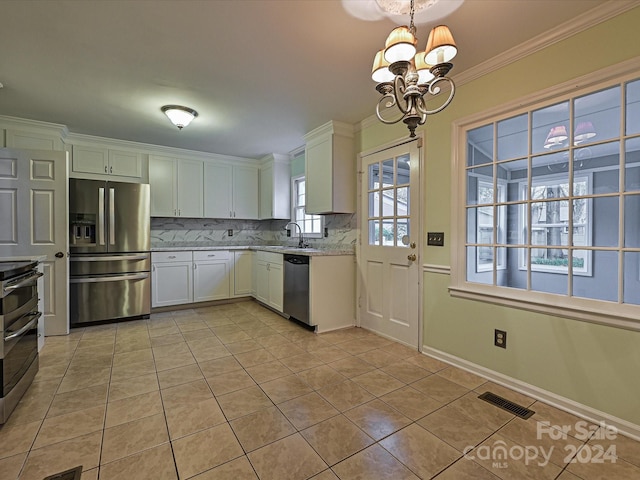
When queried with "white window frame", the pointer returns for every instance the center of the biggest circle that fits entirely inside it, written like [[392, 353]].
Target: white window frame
[[546, 180], [610, 313], [306, 224], [500, 223]]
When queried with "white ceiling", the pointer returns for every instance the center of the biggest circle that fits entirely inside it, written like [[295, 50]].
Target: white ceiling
[[261, 73]]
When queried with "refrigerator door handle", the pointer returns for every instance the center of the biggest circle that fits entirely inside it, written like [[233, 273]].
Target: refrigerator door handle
[[110, 258], [110, 278], [112, 216], [101, 224]]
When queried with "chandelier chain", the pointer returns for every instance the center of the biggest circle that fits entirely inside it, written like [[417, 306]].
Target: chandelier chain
[[412, 27]]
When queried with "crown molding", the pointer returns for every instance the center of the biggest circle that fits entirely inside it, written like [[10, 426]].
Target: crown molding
[[62, 130], [582, 22]]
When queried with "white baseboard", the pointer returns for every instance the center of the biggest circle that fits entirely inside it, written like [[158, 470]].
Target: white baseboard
[[625, 428]]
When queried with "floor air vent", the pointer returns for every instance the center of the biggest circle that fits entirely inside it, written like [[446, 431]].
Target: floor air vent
[[73, 474], [507, 405]]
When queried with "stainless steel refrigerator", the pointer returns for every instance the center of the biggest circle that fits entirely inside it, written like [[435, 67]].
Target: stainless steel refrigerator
[[109, 242]]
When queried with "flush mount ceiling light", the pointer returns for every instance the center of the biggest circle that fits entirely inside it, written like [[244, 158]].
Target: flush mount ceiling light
[[180, 116], [405, 77]]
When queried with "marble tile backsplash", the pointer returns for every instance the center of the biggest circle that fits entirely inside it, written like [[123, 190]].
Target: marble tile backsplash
[[201, 232]]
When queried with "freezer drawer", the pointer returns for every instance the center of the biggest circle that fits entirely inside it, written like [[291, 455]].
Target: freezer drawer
[[108, 263], [109, 297]]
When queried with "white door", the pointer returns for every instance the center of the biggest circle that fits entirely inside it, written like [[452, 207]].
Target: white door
[[245, 192], [389, 263], [190, 188], [171, 284], [34, 223]]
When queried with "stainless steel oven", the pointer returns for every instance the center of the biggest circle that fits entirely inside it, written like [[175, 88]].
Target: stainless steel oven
[[19, 319]]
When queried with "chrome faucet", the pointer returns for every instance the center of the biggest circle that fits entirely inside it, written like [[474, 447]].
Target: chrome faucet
[[301, 240]]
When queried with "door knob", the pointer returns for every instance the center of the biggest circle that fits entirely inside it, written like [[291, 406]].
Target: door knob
[[59, 255], [413, 245], [412, 257]]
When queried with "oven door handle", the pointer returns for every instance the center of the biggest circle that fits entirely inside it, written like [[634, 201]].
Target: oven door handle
[[26, 328], [111, 278], [23, 281]]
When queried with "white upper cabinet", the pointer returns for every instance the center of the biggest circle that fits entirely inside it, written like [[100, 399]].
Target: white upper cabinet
[[230, 191], [176, 187], [275, 187], [104, 161], [33, 139], [330, 169]]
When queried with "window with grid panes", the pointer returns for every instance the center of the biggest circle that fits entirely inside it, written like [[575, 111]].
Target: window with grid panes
[[311, 225], [551, 205]]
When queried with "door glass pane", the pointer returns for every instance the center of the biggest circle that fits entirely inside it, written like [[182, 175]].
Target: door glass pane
[[387, 173], [388, 232], [513, 137], [402, 232], [597, 116], [480, 145], [388, 203], [403, 170], [402, 201], [374, 176], [550, 128], [633, 107], [374, 204], [632, 164], [632, 278], [374, 232]]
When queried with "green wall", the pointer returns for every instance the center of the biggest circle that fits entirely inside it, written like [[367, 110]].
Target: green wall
[[591, 364]]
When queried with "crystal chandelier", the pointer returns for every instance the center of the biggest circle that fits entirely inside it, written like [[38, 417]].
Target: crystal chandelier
[[405, 77]]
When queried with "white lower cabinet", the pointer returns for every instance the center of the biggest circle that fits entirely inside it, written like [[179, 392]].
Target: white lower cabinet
[[171, 278], [243, 273], [211, 275], [186, 277], [269, 279]]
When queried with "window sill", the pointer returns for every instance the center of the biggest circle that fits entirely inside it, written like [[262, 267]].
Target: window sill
[[585, 310]]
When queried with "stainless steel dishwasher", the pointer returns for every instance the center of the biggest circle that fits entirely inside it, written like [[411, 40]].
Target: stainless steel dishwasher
[[296, 287]]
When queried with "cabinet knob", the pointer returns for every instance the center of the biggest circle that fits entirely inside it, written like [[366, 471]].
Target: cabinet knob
[[105, 169]]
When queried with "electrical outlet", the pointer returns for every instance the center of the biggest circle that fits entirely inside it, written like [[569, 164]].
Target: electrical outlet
[[326, 231], [500, 338], [435, 239], [288, 232], [230, 232]]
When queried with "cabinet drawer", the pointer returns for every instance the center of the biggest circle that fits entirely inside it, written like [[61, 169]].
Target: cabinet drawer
[[269, 257], [168, 257], [200, 255]]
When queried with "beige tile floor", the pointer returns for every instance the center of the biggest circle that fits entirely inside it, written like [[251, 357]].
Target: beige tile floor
[[237, 392]]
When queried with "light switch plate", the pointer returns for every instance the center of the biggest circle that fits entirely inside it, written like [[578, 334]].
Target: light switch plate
[[435, 239]]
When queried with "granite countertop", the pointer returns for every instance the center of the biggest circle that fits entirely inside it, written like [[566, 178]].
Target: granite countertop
[[288, 249]]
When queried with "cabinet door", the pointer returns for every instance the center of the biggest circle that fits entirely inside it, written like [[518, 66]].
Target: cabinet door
[[262, 282], [32, 140], [319, 177], [125, 164], [210, 281], [266, 192], [171, 284], [217, 190], [276, 280], [90, 160], [190, 188], [245, 192], [242, 273], [162, 180]]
